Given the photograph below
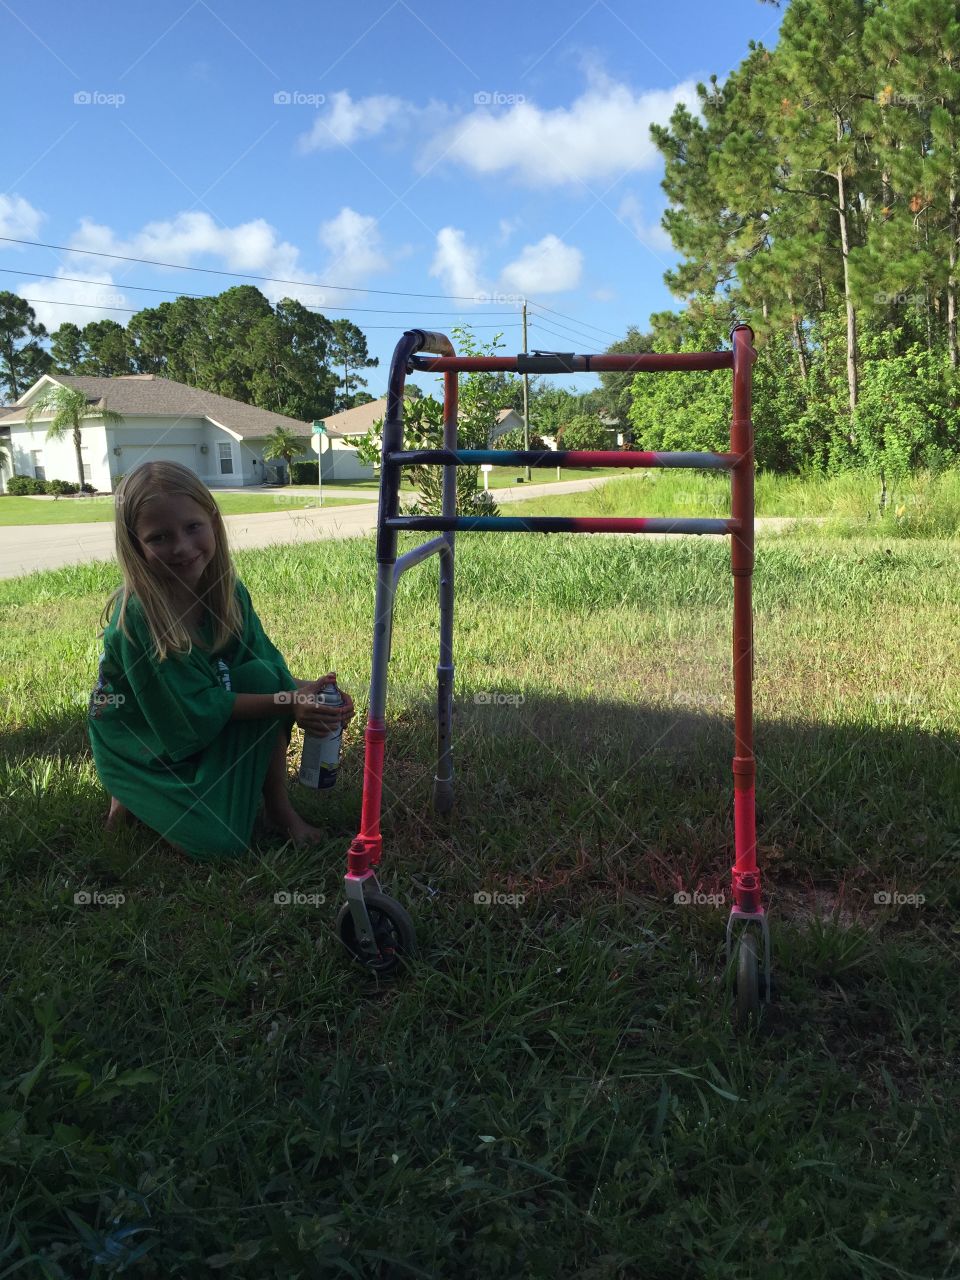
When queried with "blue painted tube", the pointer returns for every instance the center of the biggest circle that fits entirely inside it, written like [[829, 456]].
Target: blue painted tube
[[570, 458], [564, 524]]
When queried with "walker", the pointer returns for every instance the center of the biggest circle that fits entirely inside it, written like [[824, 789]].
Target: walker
[[374, 928]]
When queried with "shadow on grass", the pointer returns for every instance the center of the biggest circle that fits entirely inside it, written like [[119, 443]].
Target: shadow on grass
[[546, 784]]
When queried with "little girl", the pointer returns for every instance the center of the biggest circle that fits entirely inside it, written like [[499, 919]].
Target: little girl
[[192, 712]]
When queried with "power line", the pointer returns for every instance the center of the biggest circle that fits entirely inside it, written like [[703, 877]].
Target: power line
[[539, 324], [585, 323], [591, 338], [307, 284], [183, 293], [240, 275], [131, 311]]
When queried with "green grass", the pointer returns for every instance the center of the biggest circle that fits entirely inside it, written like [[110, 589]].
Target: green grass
[[506, 477], [553, 1088], [99, 508], [922, 506]]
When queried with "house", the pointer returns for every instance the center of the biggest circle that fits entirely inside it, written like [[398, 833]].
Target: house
[[340, 460], [218, 438], [510, 420], [6, 470]]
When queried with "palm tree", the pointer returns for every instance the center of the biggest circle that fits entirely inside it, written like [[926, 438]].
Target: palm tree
[[282, 444], [70, 409]]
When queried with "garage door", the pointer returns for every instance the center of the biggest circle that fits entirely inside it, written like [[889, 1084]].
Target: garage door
[[133, 455]]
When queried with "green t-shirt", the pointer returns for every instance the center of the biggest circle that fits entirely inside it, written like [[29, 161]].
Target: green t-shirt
[[162, 737]]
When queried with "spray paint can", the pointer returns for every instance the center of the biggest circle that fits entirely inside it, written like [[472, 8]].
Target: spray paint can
[[321, 752]]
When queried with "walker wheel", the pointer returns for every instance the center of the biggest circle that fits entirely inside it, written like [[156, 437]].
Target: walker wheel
[[748, 983], [392, 928]]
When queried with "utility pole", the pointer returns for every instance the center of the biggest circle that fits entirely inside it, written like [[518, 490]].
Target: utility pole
[[526, 390]]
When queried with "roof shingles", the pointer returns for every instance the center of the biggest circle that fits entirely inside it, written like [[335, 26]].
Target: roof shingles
[[146, 395]]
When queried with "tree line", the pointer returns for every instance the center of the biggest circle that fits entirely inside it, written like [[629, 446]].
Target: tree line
[[816, 196], [285, 358]]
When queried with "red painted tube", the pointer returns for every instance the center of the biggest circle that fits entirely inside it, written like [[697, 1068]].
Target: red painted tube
[[366, 848], [579, 364], [746, 878]]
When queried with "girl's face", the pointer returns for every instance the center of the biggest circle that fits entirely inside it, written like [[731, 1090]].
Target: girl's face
[[177, 539]]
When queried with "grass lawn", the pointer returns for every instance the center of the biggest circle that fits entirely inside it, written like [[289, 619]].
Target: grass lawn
[[552, 1089], [20, 511], [506, 477], [922, 505]]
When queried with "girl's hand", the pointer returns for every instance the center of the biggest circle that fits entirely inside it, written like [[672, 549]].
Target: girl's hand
[[327, 719]]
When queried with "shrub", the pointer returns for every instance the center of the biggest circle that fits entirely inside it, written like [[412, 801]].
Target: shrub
[[514, 440], [304, 473], [60, 487], [584, 432], [87, 488], [22, 485]]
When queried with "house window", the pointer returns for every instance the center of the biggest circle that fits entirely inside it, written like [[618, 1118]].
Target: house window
[[226, 459], [85, 460], [38, 471]]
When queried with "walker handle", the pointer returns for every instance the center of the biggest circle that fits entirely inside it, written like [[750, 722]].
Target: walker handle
[[435, 344]]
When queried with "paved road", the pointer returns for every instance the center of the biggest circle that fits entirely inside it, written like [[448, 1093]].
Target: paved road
[[26, 548]]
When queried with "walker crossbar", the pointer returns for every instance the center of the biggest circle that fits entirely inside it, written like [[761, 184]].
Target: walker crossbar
[[580, 458], [375, 928], [557, 363], [564, 524]]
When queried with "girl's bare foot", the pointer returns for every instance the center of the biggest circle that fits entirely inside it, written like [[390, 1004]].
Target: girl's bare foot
[[119, 816], [289, 823]]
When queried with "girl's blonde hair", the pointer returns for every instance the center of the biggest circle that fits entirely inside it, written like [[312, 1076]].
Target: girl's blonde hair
[[217, 586]]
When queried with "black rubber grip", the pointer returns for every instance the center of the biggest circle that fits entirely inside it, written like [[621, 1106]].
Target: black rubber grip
[[546, 362]]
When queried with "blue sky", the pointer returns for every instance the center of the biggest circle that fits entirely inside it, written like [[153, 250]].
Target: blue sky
[[492, 153]]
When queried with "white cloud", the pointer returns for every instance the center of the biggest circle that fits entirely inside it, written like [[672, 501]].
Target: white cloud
[[50, 300], [353, 240], [253, 248], [456, 263], [651, 234], [348, 120], [507, 227], [549, 266], [19, 219], [604, 132]]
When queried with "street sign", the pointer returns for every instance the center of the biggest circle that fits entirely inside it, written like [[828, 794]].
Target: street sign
[[486, 466], [319, 428]]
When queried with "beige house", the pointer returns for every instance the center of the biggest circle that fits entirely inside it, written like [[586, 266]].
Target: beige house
[[218, 438], [340, 460]]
